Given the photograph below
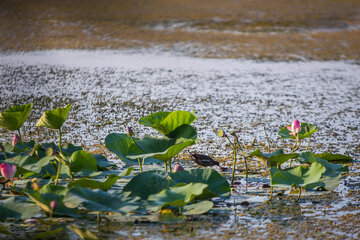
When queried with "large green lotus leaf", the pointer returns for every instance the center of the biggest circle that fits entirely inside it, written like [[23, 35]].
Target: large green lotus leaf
[[178, 196], [147, 183], [332, 176], [81, 160], [98, 200], [24, 164], [93, 184], [120, 144], [197, 208], [19, 147], [301, 176], [48, 193], [163, 149], [218, 186], [54, 119], [14, 117], [285, 133], [274, 158], [166, 122], [334, 157], [103, 163], [18, 208]]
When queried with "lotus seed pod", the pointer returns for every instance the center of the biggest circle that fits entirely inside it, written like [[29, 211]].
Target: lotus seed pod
[[35, 186], [53, 205], [129, 131], [178, 168], [221, 133], [50, 151], [307, 129], [16, 139]]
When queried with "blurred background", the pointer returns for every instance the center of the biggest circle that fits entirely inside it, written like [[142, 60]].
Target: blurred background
[[253, 29]]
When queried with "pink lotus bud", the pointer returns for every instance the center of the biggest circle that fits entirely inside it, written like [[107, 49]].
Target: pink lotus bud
[[7, 170], [221, 133], [53, 205], [129, 131], [178, 168], [16, 139], [295, 127]]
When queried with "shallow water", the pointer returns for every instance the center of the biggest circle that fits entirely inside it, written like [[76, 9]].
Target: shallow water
[[110, 90]]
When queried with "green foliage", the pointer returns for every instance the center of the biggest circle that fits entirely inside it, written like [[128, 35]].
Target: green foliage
[[274, 158], [18, 208], [93, 184], [334, 157], [98, 200], [82, 161], [285, 133], [14, 117], [163, 149], [83, 233], [48, 234], [166, 122], [178, 196], [54, 119], [218, 186], [197, 208]]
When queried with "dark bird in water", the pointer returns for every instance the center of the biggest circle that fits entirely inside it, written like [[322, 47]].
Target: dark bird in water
[[205, 160]]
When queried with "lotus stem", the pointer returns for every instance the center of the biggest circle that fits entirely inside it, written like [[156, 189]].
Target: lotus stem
[[98, 217], [308, 143], [5, 155], [59, 165], [234, 163], [166, 167], [179, 210], [19, 134], [267, 139], [170, 166], [299, 195], [245, 158], [61, 151], [140, 166], [293, 149], [271, 186]]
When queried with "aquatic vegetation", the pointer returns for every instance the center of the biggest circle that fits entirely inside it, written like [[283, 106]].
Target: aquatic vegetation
[[54, 180], [14, 117]]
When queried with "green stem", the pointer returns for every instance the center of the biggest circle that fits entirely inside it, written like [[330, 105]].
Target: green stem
[[140, 165], [308, 144], [267, 139], [19, 134], [59, 165], [234, 163], [292, 150], [246, 167], [61, 151], [271, 186], [299, 195], [5, 155], [98, 217], [166, 167], [170, 166], [179, 210]]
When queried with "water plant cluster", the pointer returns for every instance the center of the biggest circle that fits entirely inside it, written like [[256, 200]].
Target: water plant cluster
[[46, 180]]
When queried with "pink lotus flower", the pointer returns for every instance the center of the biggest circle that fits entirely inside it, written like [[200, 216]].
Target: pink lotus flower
[[16, 139], [53, 205], [294, 128], [7, 170]]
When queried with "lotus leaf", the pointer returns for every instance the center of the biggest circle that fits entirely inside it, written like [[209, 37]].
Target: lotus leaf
[[285, 133], [14, 117], [274, 158], [54, 119], [178, 196], [147, 183], [18, 208], [166, 122], [300, 176], [197, 208], [48, 234], [93, 184], [218, 186], [98, 200], [82, 160], [83, 233], [334, 157]]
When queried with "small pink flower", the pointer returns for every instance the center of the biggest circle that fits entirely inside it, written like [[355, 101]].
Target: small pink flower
[[178, 168], [7, 170], [294, 128], [53, 205], [16, 139]]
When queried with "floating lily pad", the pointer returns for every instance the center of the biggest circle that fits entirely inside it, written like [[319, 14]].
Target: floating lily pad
[[285, 133], [93, 184], [18, 208], [166, 122], [48, 234], [14, 117], [197, 208], [334, 157], [274, 158], [54, 119], [82, 160]]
